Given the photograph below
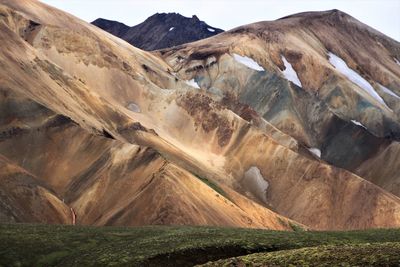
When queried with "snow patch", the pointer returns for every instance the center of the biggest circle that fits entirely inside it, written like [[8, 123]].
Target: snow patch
[[171, 29], [248, 62], [211, 30], [256, 183], [353, 76], [388, 91], [133, 107], [193, 83], [290, 73], [315, 151], [397, 62], [358, 123]]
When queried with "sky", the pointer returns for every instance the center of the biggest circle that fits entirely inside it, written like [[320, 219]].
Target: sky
[[383, 15]]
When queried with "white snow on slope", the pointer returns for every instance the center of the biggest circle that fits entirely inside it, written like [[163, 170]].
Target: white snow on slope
[[388, 91], [210, 30], [290, 73], [398, 62], [353, 76], [248, 62], [170, 29], [358, 123], [256, 183], [193, 83], [134, 107], [315, 151]]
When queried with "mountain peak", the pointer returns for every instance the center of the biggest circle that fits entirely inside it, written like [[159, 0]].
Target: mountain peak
[[318, 14], [172, 16], [161, 30], [114, 27]]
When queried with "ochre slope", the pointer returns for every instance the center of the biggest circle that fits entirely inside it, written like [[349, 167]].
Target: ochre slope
[[106, 181], [24, 198]]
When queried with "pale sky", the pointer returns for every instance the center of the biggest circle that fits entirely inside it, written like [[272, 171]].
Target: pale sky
[[383, 15]]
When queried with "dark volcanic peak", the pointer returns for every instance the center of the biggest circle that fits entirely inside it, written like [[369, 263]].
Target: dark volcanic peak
[[161, 30], [113, 27]]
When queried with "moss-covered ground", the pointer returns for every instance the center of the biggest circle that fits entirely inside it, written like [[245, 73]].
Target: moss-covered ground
[[55, 245]]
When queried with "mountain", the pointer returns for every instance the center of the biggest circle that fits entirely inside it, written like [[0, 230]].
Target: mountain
[[342, 98], [103, 154], [270, 125], [160, 30]]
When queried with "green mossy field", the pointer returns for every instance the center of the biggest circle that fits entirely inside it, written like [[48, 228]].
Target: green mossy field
[[364, 254], [60, 245]]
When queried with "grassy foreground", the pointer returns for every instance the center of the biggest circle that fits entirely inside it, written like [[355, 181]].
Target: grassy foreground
[[55, 245], [367, 254]]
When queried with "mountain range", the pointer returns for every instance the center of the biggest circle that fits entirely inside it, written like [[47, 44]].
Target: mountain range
[[283, 124]]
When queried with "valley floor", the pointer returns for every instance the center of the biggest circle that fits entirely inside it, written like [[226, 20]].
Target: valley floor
[[57, 245]]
